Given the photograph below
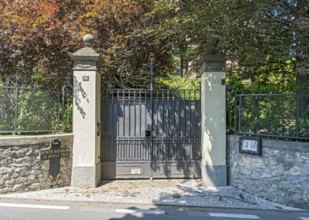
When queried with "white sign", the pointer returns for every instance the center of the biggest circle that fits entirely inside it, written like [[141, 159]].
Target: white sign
[[250, 145], [136, 171]]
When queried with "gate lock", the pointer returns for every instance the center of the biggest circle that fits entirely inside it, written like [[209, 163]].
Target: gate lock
[[148, 133]]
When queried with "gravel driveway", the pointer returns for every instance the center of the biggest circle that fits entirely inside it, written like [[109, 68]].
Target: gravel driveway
[[159, 192]]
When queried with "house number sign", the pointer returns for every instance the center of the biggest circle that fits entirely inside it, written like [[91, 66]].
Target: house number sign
[[250, 145]]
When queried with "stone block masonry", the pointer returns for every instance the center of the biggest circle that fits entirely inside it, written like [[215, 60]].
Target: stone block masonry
[[21, 169], [280, 175]]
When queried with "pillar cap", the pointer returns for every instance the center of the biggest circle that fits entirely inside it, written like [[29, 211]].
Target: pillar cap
[[213, 63], [86, 53], [88, 40], [85, 58], [214, 58]]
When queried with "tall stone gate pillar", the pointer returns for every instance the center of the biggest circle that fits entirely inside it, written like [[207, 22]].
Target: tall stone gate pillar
[[213, 165], [86, 116]]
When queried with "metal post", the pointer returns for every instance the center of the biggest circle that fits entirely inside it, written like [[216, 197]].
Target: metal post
[[235, 111], [16, 108], [63, 88], [239, 115], [151, 72], [63, 102], [297, 113]]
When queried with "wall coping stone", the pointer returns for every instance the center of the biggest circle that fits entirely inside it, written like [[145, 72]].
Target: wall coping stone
[[33, 139]]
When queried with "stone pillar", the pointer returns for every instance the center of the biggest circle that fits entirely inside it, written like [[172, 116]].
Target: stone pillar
[[86, 116], [213, 164]]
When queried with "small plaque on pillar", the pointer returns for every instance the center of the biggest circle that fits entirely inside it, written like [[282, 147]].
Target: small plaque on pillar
[[222, 81], [250, 145], [85, 78]]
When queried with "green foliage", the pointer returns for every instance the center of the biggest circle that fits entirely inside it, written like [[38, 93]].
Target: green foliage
[[187, 88], [7, 111], [38, 110], [255, 34], [68, 116], [283, 115], [267, 114], [263, 114], [29, 110], [38, 79], [179, 83], [269, 78], [3, 117]]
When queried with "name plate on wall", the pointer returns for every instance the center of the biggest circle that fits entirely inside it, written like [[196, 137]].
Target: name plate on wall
[[54, 154], [250, 145]]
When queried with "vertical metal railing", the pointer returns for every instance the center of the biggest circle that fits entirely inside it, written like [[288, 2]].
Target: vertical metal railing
[[297, 114], [67, 93], [270, 115], [235, 111], [31, 110], [239, 113], [16, 109], [151, 73]]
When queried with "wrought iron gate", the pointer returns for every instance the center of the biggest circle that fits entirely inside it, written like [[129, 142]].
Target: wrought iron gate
[[150, 133]]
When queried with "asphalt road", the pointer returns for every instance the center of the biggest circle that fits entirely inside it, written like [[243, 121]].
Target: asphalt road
[[45, 210]]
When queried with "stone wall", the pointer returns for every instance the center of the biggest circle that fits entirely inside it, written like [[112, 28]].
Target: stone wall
[[22, 170], [280, 175]]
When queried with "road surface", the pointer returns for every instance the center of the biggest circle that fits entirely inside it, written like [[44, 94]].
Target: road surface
[[53, 210]]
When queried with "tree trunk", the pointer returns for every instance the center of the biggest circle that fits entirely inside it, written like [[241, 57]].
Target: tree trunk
[[181, 66]]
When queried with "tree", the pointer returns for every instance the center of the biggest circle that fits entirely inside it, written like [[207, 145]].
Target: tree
[[37, 36], [260, 33]]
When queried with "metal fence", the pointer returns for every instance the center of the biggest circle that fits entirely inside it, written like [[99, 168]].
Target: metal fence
[[32, 110], [269, 115]]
